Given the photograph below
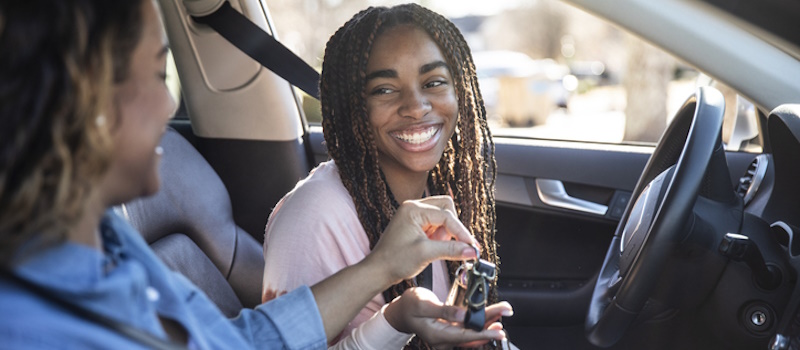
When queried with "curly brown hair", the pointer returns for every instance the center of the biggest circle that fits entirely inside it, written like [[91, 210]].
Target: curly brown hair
[[58, 63], [467, 168]]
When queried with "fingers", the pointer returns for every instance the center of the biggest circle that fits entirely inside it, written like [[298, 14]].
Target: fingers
[[455, 334], [439, 234], [493, 314], [436, 213], [443, 202], [419, 311], [429, 306], [452, 313], [415, 303], [495, 311], [449, 250], [496, 328], [421, 231]]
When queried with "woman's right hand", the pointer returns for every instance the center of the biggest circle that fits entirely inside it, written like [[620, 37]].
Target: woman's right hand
[[420, 232], [420, 312]]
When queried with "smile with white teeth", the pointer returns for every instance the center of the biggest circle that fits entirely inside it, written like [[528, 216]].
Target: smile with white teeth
[[416, 137]]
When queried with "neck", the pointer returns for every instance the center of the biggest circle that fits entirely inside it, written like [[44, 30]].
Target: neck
[[406, 186], [85, 230]]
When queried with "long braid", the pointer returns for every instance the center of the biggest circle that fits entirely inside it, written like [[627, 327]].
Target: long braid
[[467, 168], [346, 131], [476, 163]]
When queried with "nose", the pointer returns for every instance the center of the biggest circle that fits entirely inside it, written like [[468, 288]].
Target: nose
[[414, 104]]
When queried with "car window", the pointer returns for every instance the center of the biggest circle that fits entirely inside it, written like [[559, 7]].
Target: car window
[[546, 70], [174, 86]]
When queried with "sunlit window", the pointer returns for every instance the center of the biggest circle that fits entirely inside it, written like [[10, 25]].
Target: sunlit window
[[546, 70]]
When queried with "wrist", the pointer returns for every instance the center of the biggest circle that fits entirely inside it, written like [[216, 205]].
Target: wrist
[[393, 316], [377, 272]]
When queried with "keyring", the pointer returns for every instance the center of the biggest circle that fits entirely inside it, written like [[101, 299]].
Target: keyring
[[470, 289], [477, 253]]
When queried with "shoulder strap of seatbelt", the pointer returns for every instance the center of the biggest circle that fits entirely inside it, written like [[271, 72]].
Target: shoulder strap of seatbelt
[[425, 278], [262, 47]]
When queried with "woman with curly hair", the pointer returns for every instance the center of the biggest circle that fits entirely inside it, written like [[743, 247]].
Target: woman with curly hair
[[403, 118]]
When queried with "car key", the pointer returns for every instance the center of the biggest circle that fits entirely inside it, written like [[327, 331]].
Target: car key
[[471, 290]]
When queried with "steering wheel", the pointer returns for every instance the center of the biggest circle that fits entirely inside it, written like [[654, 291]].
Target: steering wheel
[[665, 195]]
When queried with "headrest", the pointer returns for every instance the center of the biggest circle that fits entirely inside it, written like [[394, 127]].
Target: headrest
[[192, 200]]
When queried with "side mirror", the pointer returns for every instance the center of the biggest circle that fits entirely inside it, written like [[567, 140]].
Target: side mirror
[[744, 124], [740, 129]]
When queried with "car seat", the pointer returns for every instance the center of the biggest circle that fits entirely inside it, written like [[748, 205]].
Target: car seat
[[189, 224]]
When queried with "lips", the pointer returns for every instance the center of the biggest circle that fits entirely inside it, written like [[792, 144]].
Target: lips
[[416, 136]]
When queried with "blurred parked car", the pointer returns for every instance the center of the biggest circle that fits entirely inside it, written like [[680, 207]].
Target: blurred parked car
[[521, 91], [592, 72]]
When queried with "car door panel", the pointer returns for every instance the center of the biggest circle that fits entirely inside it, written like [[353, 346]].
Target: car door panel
[[550, 255]]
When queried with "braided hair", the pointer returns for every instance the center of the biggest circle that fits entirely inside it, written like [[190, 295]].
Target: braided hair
[[467, 168]]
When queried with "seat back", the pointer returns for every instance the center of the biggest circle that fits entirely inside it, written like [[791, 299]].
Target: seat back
[[189, 224]]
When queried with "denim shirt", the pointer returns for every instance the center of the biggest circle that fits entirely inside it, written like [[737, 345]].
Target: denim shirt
[[130, 284]]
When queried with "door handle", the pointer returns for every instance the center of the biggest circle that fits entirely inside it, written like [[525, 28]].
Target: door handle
[[552, 193]]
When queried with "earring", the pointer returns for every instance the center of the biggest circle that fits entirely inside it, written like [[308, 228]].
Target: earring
[[100, 120]]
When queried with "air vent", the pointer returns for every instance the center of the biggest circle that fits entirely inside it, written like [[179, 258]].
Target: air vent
[[748, 184]]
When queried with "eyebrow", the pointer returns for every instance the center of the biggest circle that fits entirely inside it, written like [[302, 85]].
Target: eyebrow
[[431, 66], [391, 73], [384, 73]]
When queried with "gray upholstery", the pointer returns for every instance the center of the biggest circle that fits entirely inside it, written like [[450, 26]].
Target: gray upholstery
[[189, 224]]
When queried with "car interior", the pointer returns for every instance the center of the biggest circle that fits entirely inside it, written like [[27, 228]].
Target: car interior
[[714, 266], [189, 224]]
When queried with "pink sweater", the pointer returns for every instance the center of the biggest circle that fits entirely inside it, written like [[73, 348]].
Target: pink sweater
[[314, 232]]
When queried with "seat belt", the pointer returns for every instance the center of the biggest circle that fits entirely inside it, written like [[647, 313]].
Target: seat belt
[[262, 47], [425, 278]]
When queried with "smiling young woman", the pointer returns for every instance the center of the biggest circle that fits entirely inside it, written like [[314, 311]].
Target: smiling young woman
[[403, 118], [412, 107]]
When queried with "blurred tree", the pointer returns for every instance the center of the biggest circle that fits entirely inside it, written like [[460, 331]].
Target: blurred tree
[[646, 83], [533, 29], [306, 28]]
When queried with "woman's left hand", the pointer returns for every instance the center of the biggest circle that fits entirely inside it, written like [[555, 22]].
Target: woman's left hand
[[419, 311]]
